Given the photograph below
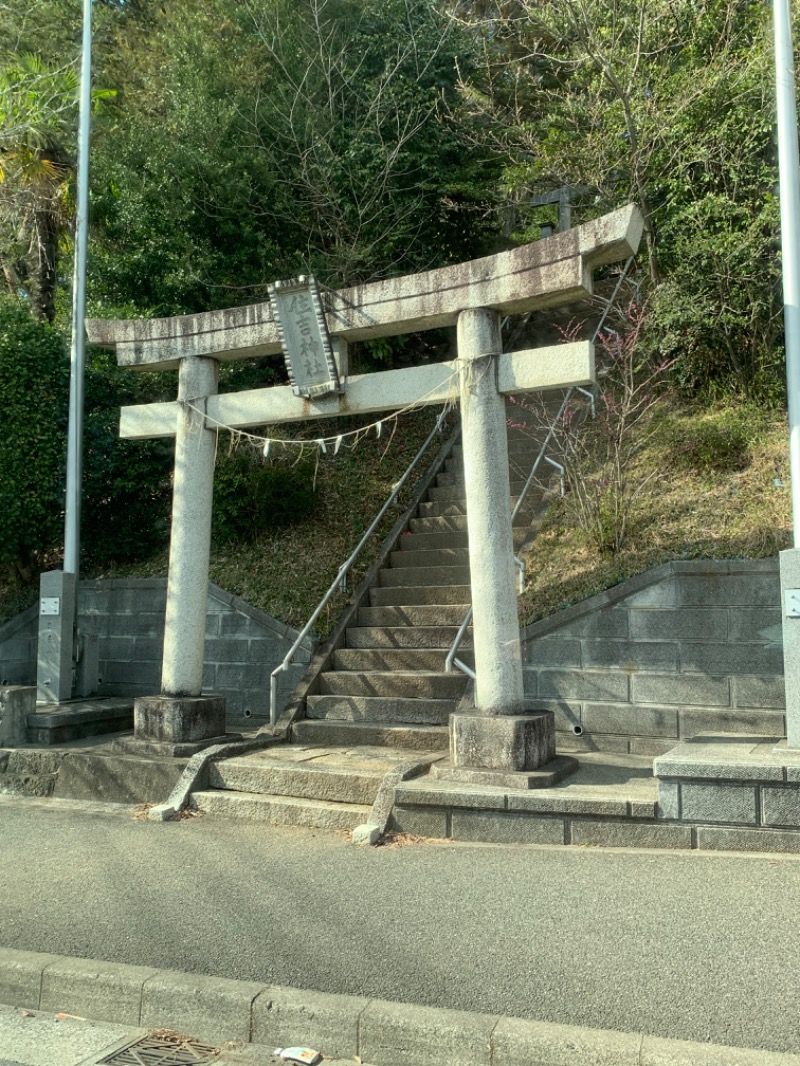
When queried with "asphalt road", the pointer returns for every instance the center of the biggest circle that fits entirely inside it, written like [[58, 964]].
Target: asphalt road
[[692, 946]]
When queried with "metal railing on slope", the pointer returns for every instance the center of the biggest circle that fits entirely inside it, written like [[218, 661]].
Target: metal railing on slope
[[340, 581], [451, 660]]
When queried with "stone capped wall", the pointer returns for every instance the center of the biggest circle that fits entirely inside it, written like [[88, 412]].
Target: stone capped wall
[[685, 649], [243, 645]]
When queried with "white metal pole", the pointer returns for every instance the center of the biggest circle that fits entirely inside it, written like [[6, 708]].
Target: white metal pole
[[78, 348], [790, 236]]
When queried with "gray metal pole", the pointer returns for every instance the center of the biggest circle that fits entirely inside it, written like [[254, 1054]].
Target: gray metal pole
[[790, 236], [78, 349]]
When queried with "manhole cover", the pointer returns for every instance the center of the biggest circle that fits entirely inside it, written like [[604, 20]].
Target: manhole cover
[[161, 1049]]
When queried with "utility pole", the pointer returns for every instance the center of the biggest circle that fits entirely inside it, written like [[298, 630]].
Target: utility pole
[[78, 347], [790, 256], [66, 665]]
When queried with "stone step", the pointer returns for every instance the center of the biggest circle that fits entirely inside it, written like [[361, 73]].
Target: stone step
[[330, 775], [435, 540], [432, 557], [29, 771], [446, 494], [447, 509], [381, 659], [455, 523], [519, 443], [424, 637], [65, 722], [442, 509], [414, 615], [389, 710], [412, 685], [421, 575], [419, 738], [281, 810], [458, 481], [421, 595], [452, 525]]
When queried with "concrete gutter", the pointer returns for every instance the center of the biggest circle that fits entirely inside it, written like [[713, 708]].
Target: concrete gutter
[[380, 1032]]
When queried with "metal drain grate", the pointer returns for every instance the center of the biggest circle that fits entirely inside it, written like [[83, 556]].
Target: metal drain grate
[[162, 1049]]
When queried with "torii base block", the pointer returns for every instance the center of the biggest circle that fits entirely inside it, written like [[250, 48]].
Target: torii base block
[[176, 726], [505, 751]]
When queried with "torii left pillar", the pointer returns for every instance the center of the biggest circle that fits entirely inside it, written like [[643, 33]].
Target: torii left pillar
[[181, 720]]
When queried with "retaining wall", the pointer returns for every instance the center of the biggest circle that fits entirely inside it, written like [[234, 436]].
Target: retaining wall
[[685, 649], [18, 641], [243, 645]]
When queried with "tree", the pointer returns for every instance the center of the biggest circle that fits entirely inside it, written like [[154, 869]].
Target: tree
[[253, 140], [34, 371], [663, 102], [37, 112]]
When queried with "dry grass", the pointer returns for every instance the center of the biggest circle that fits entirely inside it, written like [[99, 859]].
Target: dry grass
[[689, 510], [287, 570]]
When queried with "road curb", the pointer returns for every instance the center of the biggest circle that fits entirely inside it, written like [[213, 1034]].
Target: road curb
[[383, 1033]]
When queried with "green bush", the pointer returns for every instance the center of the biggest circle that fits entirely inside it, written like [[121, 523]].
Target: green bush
[[34, 384], [715, 441], [127, 489], [251, 495]]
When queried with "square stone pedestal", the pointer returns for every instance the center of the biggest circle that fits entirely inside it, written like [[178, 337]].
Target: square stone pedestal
[[176, 725], [508, 751]]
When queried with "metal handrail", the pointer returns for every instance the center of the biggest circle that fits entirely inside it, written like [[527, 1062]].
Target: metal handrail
[[451, 659], [339, 582]]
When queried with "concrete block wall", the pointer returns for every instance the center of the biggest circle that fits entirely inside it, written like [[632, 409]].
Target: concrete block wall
[[243, 645], [686, 648], [18, 640]]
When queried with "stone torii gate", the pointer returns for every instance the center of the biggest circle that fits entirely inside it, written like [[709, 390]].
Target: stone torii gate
[[472, 296]]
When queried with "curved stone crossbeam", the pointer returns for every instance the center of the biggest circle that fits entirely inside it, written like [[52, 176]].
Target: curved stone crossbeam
[[552, 271]]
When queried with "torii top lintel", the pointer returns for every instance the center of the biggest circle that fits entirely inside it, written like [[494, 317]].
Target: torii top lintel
[[552, 271]]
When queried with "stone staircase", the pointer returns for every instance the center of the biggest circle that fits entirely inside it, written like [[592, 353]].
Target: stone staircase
[[387, 695]]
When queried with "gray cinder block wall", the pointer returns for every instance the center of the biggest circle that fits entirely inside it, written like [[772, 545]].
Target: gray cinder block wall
[[243, 645], [18, 640], [684, 649]]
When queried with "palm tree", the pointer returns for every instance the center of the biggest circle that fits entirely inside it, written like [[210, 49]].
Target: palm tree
[[37, 121]]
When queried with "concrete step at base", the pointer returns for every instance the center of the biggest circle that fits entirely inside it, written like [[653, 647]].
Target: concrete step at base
[[388, 710], [383, 659], [420, 615], [424, 637], [419, 738], [435, 540], [306, 773], [421, 595], [281, 810], [423, 575], [415, 686], [434, 557]]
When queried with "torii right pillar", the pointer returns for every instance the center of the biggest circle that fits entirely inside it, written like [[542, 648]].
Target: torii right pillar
[[499, 743]]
